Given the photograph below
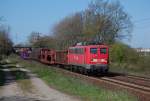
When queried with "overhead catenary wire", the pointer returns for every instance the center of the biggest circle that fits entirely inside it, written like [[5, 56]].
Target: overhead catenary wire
[[144, 21], [141, 20]]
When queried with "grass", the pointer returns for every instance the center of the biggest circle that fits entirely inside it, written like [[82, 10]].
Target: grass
[[74, 86], [130, 69], [19, 75]]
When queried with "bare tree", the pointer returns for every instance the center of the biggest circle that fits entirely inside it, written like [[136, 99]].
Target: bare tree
[[69, 31], [5, 41], [106, 21], [102, 21], [38, 40], [45, 42]]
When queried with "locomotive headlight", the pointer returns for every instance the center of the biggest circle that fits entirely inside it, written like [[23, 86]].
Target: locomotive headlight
[[94, 60], [103, 60]]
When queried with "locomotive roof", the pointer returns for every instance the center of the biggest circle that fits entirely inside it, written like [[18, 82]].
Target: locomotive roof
[[82, 46]]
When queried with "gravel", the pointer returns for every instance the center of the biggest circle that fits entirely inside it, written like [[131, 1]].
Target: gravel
[[36, 90]]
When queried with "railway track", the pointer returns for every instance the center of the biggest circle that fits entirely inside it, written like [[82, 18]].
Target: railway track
[[131, 85], [136, 85], [139, 77], [136, 80], [139, 86]]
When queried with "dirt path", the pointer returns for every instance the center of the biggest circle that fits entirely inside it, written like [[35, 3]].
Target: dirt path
[[28, 89]]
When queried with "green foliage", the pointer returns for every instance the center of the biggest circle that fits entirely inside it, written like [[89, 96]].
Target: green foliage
[[132, 56], [139, 67], [117, 53], [121, 53], [144, 63], [125, 59], [19, 75]]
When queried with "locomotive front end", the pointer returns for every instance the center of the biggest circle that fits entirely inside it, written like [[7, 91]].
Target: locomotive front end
[[98, 58]]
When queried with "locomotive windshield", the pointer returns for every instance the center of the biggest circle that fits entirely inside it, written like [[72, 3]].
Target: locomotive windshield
[[103, 50], [93, 50]]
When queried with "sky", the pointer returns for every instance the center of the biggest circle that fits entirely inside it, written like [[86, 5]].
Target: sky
[[26, 16]]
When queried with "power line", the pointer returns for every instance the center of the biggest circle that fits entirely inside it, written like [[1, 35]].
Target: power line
[[142, 25], [137, 22], [141, 20]]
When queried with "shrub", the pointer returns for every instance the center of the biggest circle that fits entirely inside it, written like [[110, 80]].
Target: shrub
[[122, 53]]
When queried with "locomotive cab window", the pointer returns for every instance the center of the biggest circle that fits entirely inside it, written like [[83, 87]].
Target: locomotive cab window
[[72, 50], [76, 50], [93, 50], [103, 50], [80, 50]]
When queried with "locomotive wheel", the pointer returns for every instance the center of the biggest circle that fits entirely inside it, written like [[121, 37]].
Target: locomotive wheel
[[85, 72]]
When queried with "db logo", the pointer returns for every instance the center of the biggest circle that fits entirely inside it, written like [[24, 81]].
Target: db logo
[[76, 58]]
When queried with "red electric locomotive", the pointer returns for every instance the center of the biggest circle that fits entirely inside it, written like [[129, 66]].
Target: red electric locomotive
[[89, 57]]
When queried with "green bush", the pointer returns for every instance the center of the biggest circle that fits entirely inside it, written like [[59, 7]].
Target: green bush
[[126, 59], [122, 53], [117, 53], [144, 63]]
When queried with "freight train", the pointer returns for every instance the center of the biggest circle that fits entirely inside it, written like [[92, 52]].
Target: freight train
[[85, 58]]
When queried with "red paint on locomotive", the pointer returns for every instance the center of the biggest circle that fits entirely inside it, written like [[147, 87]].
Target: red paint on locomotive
[[93, 57]]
